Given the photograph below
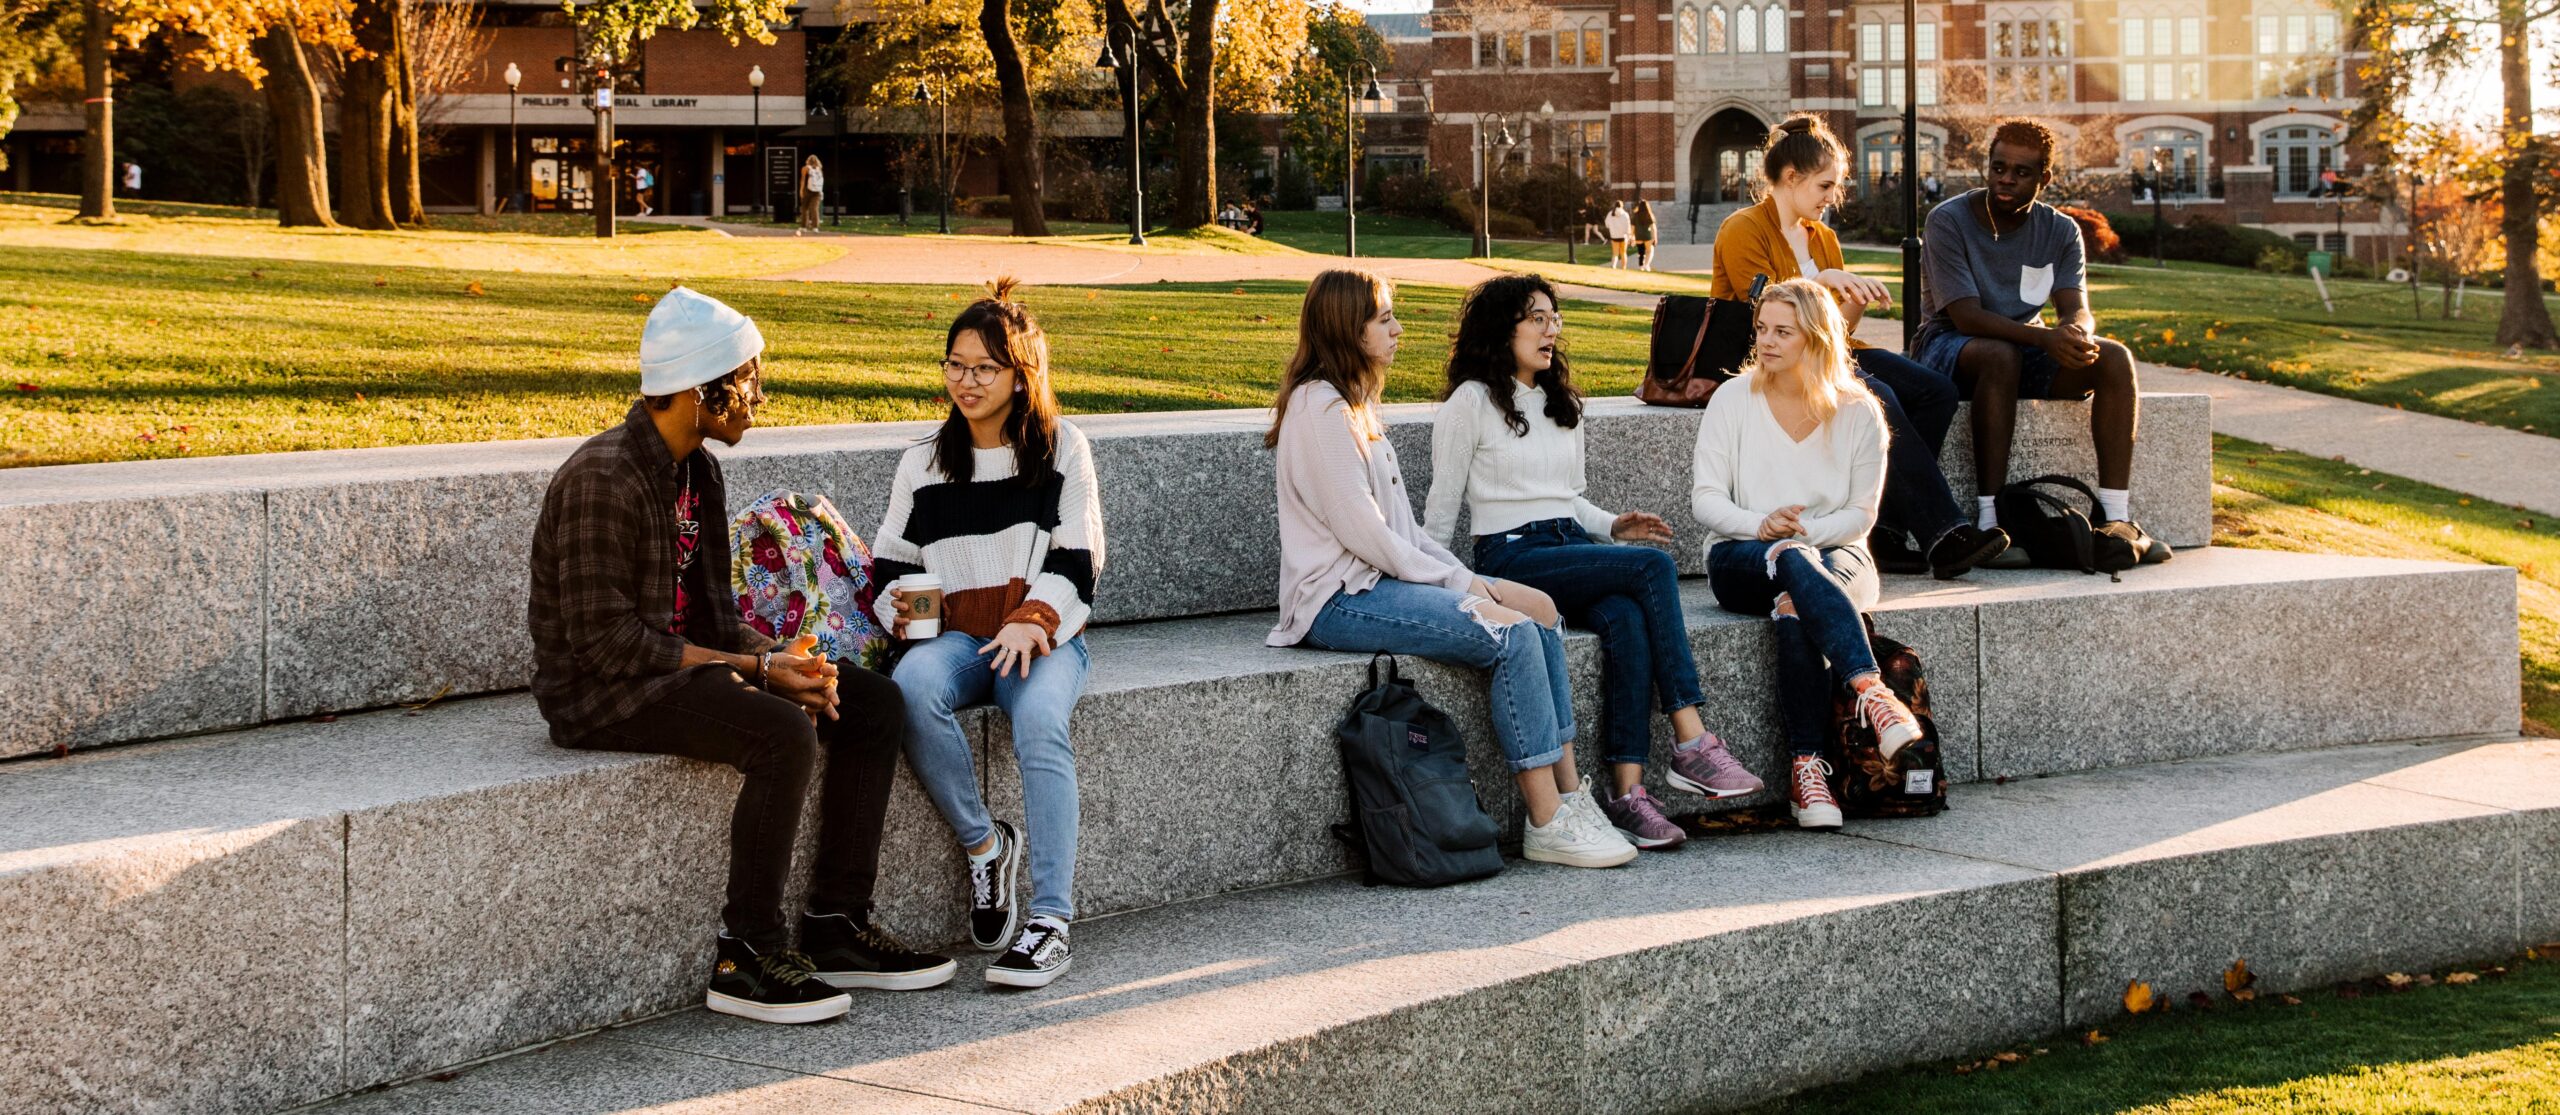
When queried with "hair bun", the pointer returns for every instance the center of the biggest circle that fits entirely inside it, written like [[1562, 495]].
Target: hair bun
[[1001, 288], [1800, 125]]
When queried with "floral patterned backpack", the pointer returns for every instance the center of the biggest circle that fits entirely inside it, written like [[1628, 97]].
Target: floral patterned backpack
[[798, 570]]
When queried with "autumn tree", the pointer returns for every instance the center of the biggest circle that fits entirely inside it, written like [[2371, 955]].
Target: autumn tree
[[1340, 42], [612, 31], [2417, 41], [1197, 55], [218, 35], [300, 151], [36, 37]]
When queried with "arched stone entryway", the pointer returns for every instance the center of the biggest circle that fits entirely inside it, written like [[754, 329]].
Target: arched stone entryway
[[1724, 157]]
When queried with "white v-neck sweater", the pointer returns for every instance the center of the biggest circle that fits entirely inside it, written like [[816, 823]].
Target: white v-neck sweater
[[1746, 467], [1504, 480]]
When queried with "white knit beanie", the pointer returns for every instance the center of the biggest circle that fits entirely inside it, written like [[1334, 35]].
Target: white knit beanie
[[692, 339]]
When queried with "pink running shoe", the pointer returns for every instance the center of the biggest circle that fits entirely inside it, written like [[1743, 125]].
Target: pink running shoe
[[1640, 819], [1895, 727], [1705, 767]]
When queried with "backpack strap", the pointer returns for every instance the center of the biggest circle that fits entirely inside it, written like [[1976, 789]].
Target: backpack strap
[[2060, 481], [1376, 658]]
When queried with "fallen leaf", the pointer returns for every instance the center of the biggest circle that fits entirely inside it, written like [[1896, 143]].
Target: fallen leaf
[[2008, 1058], [1965, 1069], [146, 435], [380, 280], [2137, 997], [2398, 981], [2168, 336], [27, 387], [2093, 1037], [2042, 1052], [474, 289], [2238, 977], [1239, 290], [640, 298], [2289, 1000], [2460, 979], [2425, 980], [2465, 501]]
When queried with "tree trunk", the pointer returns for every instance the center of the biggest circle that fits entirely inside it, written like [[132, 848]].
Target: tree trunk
[[364, 120], [302, 156], [1195, 131], [1021, 126], [408, 201], [2526, 320], [98, 139]]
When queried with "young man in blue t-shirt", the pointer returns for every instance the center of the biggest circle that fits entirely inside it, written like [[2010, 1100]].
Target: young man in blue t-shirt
[[1994, 257]]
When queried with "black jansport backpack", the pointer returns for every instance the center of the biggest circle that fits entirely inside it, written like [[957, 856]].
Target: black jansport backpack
[[2056, 534], [1414, 815], [1913, 783]]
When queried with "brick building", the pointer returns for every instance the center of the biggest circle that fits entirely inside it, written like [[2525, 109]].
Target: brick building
[[2232, 109]]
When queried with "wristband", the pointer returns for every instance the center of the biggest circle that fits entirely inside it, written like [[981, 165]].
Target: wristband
[[764, 662]]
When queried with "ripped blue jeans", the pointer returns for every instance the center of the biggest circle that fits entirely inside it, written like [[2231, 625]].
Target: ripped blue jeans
[[1532, 702]]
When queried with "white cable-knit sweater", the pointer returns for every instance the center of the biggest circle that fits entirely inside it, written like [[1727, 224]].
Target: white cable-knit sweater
[[1746, 466], [1503, 479]]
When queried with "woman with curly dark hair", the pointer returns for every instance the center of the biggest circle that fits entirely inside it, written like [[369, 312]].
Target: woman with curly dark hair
[[1507, 446]]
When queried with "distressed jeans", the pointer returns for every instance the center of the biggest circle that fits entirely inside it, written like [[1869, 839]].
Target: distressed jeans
[[942, 675]]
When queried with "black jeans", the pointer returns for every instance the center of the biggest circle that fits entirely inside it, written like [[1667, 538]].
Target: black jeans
[[719, 717], [1919, 407]]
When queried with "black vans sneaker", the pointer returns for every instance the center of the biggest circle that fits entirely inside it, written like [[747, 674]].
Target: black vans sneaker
[[992, 915], [1038, 955], [774, 987], [851, 952]]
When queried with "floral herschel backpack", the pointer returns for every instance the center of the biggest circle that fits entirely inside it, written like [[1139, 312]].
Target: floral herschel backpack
[[798, 570]]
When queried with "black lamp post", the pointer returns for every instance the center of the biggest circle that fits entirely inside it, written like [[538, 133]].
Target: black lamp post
[[1137, 174], [514, 77], [1485, 143], [764, 174], [601, 195], [941, 158], [1350, 164], [1910, 168], [2159, 222]]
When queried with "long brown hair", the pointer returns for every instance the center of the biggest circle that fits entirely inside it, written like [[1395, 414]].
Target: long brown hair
[[1822, 378], [1014, 339], [1336, 312]]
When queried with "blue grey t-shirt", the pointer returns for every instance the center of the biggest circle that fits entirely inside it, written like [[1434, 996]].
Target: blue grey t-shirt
[[2012, 276]]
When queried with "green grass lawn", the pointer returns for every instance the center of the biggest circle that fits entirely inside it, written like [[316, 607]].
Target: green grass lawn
[[2273, 328], [143, 355], [2489, 1046], [1082, 234]]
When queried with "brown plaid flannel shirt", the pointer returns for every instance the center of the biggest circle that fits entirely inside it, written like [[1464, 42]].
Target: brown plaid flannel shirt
[[604, 572]]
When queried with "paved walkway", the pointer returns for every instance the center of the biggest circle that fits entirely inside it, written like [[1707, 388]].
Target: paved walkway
[[2508, 466]]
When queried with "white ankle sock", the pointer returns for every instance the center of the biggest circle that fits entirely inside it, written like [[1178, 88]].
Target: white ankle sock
[[2115, 503], [994, 849], [1985, 518]]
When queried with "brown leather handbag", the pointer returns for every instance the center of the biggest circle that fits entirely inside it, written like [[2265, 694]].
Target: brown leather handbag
[[1687, 361]]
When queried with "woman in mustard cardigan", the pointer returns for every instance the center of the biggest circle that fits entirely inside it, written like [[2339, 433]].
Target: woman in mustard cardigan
[[1783, 237]]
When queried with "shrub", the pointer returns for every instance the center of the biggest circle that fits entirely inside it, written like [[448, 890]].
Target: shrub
[[2097, 236], [2275, 261], [1294, 188], [2203, 240], [1420, 193]]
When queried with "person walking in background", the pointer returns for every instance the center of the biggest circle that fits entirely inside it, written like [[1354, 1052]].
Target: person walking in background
[[133, 179], [813, 195], [1357, 573], [1620, 227], [1994, 257], [1789, 464], [1000, 507], [1643, 231], [1781, 237], [1507, 447], [638, 645]]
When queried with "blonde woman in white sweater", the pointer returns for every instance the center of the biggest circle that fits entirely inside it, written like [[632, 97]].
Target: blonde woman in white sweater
[[1001, 506], [1789, 467], [1358, 574], [1507, 448]]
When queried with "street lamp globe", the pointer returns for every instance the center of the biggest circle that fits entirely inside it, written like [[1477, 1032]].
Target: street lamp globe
[[514, 77], [755, 77], [1547, 110]]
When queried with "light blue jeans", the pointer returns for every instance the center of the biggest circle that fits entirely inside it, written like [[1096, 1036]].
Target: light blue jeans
[[942, 675], [1532, 702]]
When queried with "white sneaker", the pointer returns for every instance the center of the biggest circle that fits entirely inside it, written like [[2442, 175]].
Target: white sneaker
[[1573, 838]]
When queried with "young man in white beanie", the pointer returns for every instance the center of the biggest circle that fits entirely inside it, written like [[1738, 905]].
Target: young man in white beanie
[[639, 646]]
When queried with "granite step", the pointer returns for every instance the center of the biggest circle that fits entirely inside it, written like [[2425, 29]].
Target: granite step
[[389, 859], [269, 573], [1735, 970]]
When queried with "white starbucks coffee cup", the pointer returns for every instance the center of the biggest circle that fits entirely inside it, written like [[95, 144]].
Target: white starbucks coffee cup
[[924, 604]]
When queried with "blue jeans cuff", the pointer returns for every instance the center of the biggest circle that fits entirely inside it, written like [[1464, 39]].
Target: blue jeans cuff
[[1546, 758]]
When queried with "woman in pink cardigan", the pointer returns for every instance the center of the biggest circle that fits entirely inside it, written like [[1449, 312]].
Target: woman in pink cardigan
[[1358, 574]]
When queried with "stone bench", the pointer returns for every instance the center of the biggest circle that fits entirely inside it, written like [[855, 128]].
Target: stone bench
[[234, 591], [392, 894]]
